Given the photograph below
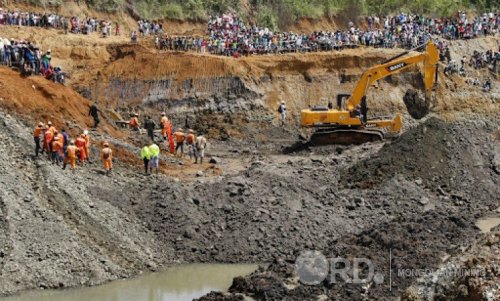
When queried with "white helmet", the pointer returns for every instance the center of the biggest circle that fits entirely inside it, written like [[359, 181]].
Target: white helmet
[[86, 132]]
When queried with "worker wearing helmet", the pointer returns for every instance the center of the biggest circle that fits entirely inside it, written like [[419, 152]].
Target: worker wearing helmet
[[134, 122], [282, 112], [71, 155], [164, 122], [179, 141], [81, 143], [107, 158], [47, 142], [87, 144], [51, 128], [190, 141], [57, 148], [36, 136]]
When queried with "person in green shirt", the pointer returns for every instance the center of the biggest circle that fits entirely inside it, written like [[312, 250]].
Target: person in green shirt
[[145, 156], [154, 152]]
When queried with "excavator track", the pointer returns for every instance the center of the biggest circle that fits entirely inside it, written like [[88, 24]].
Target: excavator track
[[346, 136]]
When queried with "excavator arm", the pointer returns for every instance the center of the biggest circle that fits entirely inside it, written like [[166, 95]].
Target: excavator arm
[[430, 59]]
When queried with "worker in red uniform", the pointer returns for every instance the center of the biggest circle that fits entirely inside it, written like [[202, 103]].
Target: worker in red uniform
[[71, 155], [134, 122], [87, 140], [107, 158], [164, 123], [82, 148], [166, 132], [36, 136]]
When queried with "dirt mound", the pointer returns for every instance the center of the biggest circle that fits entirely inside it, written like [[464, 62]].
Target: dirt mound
[[37, 99], [435, 152]]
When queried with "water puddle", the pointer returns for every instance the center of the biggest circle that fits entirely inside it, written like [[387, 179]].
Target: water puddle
[[488, 223], [179, 283]]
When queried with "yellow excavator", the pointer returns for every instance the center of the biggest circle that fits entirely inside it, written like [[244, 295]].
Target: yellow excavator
[[348, 123]]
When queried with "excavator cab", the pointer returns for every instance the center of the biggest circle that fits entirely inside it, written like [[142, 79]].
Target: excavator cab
[[348, 122]]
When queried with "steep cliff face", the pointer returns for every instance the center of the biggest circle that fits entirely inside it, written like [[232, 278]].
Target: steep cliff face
[[141, 79]]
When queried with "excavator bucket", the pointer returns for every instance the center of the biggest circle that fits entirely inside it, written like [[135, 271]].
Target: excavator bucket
[[417, 106]]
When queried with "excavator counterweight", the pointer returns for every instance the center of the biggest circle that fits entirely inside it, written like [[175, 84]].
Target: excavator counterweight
[[348, 122]]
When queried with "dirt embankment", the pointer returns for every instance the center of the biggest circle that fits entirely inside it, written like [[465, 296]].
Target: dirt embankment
[[187, 83]]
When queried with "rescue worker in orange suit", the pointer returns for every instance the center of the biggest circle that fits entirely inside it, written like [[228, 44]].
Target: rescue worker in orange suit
[[71, 153], [164, 124], [166, 132], [134, 122], [81, 143], [87, 141], [36, 136], [47, 142], [190, 141], [107, 158], [57, 148], [179, 140], [51, 128]]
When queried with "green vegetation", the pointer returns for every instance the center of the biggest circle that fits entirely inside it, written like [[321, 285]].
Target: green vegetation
[[277, 13]]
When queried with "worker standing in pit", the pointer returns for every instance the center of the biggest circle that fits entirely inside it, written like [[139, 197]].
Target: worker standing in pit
[[191, 144], [47, 142], [107, 158], [134, 122], [81, 143], [201, 145], [179, 141], [154, 160], [145, 156], [36, 136], [87, 144], [164, 122], [71, 153], [282, 112], [149, 125]]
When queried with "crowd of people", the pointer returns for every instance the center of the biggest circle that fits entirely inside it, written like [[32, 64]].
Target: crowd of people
[[229, 35], [176, 143], [489, 60], [62, 149], [29, 59], [73, 24]]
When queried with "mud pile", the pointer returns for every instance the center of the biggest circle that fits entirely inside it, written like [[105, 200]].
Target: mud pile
[[417, 106], [444, 157]]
